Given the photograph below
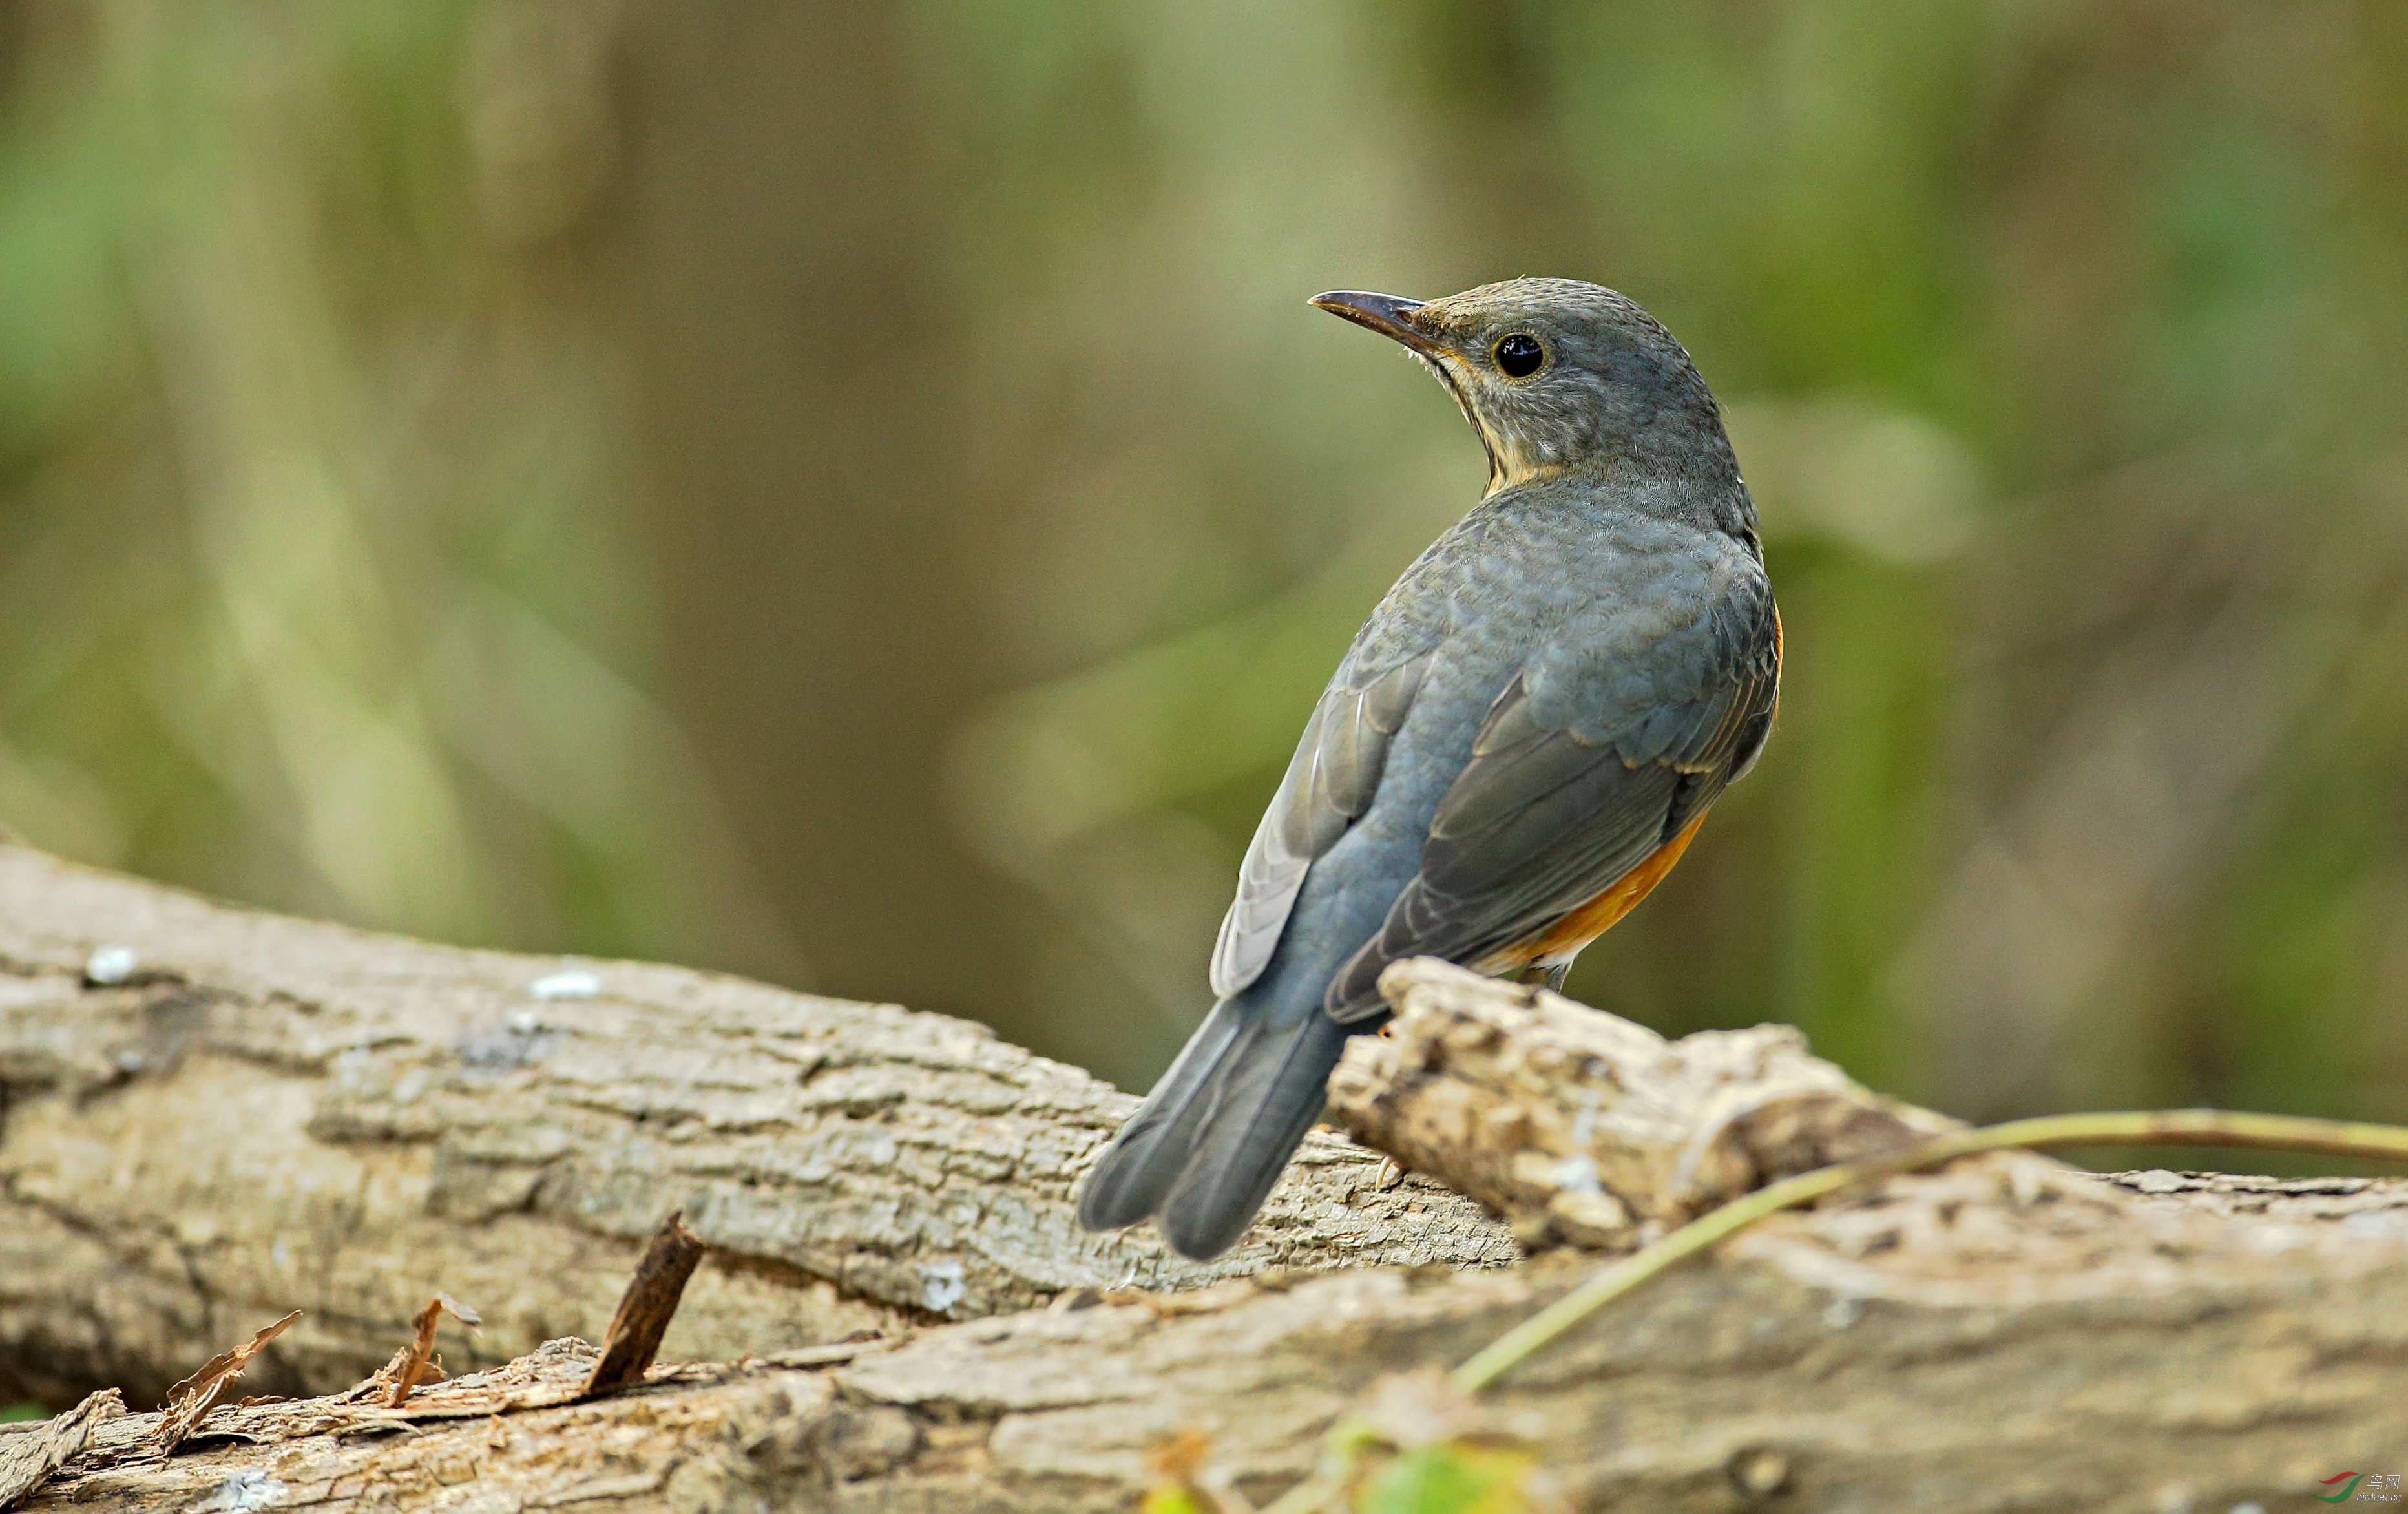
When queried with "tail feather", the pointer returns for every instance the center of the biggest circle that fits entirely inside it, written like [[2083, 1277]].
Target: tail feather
[[1210, 1142], [1137, 1169], [1256, 1124]]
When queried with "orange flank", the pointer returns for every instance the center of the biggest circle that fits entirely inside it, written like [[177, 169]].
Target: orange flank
[[1593, 919]]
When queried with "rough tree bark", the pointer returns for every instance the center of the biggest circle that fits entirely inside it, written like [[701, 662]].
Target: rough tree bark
[[268, 1114], [2001, 1334]]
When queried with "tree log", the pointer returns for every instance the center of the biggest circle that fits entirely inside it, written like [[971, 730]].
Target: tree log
[[1775, 1377], [235, 1115], [257, 1114]]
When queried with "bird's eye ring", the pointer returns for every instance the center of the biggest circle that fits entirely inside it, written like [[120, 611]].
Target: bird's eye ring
[[1518, 355]]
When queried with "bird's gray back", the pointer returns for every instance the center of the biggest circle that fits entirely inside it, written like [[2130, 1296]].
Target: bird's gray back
[[1587, 593]]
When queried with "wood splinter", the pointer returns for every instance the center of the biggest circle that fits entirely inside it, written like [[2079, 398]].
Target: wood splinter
[[188, 1402], [29, 1456], [646, 1309], [416, 1363]]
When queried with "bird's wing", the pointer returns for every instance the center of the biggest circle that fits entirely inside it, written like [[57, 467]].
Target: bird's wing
[[1609, 741], [1328, 785]]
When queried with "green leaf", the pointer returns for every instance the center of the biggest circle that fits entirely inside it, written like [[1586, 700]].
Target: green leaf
[[1169, 1498], [1450, 1479]]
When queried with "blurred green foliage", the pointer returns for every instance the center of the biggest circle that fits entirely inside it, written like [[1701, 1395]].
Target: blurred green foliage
[[852, 494]]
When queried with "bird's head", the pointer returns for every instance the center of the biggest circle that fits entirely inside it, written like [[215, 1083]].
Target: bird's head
[[1555, 375]]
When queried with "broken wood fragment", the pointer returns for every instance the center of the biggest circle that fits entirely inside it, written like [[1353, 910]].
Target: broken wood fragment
[[190, 1401], [415, 1362], [647, 1307], [1584, 1129], [33, 1453]]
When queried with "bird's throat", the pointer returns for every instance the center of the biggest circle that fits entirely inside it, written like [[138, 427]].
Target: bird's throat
[[1446, 377]]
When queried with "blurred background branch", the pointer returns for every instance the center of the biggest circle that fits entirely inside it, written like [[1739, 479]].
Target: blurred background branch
[[850, 494]]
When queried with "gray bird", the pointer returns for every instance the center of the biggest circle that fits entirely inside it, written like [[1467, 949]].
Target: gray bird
[[1517, 747]]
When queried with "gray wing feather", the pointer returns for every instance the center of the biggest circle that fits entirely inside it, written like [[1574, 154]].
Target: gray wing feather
[[1598, 753], [1328, 785]]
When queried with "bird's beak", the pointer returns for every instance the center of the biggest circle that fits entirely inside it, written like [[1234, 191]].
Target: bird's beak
[[1390, 315]]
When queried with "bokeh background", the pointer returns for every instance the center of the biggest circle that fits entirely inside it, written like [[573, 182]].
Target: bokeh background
[[852, 494]]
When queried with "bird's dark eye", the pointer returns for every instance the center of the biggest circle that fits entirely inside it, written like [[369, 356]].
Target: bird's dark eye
[[1518, 355]]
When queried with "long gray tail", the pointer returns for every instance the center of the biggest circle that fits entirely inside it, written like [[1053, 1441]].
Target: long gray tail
[[1202, 1152]]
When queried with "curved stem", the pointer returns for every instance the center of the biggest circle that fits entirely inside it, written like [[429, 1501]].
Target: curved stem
[[2174, 1126]]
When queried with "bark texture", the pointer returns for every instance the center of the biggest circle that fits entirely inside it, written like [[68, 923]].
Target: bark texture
[[1819, 1378], [261, 1114], [255, 1114], [1586, 1129]]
